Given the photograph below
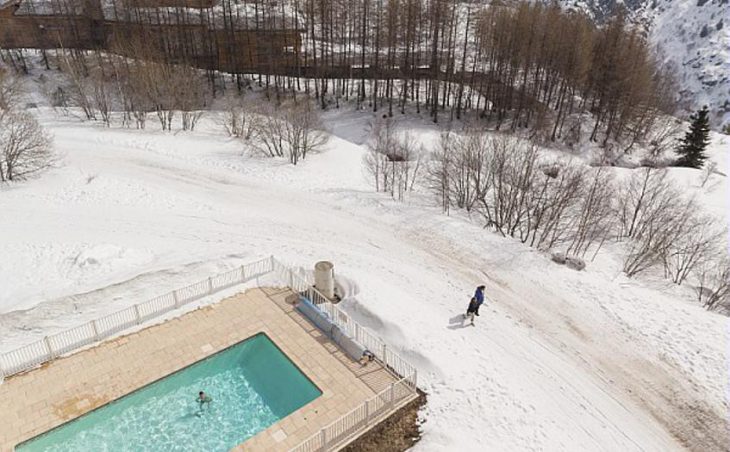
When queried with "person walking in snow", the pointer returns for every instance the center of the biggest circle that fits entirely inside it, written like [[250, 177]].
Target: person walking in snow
[[479, 296], [471, 310]]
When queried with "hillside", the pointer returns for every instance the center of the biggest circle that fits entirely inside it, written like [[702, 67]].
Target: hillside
[[559, 359], [695, 39], [150, 188]]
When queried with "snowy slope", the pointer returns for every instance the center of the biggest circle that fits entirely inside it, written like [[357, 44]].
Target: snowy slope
[[559, 360]]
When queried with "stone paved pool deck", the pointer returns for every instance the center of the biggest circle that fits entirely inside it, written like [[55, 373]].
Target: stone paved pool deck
[[64, 389]]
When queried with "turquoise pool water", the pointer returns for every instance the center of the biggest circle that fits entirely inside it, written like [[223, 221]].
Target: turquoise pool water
[[252, 384]]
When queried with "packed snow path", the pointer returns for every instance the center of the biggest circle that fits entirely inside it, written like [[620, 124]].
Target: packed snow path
[[558, 360]]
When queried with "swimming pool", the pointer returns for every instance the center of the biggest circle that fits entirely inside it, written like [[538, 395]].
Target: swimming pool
[[252, 385]]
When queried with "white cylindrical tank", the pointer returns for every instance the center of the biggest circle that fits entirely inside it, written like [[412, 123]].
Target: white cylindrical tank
[[324, 278]]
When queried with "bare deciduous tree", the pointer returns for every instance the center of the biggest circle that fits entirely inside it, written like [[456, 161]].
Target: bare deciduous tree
[[552, 200], [191, 94], [239, 119], [643, 200], [79, 87], [714, 284], [595, 220], [544, 205], [268, 131], [511, 176], [25, 148], [405, 165], [101, 94], [470, 172], [694, 243], [292, 130], [303, 130], [663, 136], [382, 141], [10, 90], [440, 169], [393, 159], [654, 217]]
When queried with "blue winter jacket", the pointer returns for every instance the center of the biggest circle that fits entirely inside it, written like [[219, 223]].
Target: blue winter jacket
[[479, 295]]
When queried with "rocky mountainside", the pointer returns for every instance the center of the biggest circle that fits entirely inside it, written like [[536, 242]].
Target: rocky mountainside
[[691, 36]]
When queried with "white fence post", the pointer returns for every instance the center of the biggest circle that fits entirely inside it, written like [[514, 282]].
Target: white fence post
[[96, 330], [243, 273], [210, 285], [2, 370], [323, 435], [48, 346], [291, 279], [136, 314], [367, 412], [175, 298]]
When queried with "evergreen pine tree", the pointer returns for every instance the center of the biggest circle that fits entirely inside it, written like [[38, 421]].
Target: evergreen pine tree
[[692, 147]]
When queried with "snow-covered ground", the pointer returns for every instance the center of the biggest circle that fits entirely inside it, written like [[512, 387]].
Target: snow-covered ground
[[559, 360]]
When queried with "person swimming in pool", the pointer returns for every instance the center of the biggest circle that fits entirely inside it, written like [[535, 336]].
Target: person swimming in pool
[[204, 399]]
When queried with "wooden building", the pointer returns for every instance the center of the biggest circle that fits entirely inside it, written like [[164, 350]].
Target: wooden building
[[204, 45], [43, 31]]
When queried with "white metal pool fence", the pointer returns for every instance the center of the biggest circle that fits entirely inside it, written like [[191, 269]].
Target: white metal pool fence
[[334, 435], [347, 325], [343, 430], [55, 345]]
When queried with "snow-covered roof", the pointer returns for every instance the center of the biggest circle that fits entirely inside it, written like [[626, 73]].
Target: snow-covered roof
[[50, 8], [243, 16], [6, 3]]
